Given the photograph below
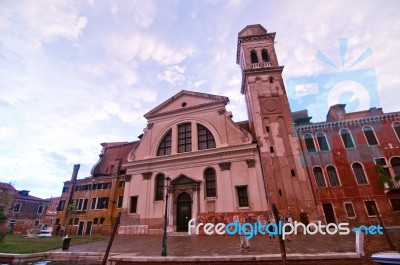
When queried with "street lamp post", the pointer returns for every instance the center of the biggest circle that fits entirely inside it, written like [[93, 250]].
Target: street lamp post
[[164, 240]]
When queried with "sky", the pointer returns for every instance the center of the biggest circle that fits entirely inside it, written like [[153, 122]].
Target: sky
[[74, 74]]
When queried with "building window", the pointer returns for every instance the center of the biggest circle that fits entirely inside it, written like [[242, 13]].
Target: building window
[[385, 169], [102, 203], [102, 219], [40, 209], [308, 138], [242, 196], [372, 210], [264, 56], [395, 162], [61, 205], [17, 207], [322, 141], [120, 200], [253, 56], [160, 187], [78, 188], [81, 204], [205, 138], [165, 146], [332, 175], [184, 138], [209, 175], [122, 184], [76, 221], [94, 201], [395, 204], [370, 135], [71, 221], [95, 221], [349, 210], [133, 204], [396, 128], [359, 173], [87, 187], [65, 189], [319, 177], [346, 138]]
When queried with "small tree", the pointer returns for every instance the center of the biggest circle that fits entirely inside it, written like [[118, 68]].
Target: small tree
[[383, 176]]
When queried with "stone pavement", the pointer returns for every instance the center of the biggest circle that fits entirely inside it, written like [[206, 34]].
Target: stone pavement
[[150, 245]]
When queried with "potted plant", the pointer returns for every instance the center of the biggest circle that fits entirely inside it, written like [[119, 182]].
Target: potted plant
[[384, 179]]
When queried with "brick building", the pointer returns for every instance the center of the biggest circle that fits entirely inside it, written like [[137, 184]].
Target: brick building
[[341, 156], [26, 212], [88, 206], [50, 216]]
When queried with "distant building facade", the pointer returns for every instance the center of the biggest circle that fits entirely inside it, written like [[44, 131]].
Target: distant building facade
[[90, 205], [50, 217], [219, 168], [27, 212], [341, 156]]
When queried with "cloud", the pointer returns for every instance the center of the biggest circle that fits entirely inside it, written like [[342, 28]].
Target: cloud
[[146, 47], [199, 83], [173, 74], [32, 24]]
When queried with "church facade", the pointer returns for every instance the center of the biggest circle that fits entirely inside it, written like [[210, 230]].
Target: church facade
[[219, 168]]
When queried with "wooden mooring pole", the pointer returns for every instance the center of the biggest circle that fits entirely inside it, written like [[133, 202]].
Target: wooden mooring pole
[[281, 242], [114, 231]]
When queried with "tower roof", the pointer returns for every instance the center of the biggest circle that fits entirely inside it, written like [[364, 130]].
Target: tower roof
[[252, 32]]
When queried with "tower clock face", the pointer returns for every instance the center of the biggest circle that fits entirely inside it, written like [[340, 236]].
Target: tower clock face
[[269, 105]]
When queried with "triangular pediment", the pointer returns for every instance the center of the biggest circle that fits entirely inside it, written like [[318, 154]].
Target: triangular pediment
[[183, 180], [186, 100]]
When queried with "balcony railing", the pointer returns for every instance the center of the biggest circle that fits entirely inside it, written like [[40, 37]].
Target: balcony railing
[[392, 187], [261, 65]]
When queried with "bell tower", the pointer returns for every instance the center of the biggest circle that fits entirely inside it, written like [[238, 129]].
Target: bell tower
[[271, 122]]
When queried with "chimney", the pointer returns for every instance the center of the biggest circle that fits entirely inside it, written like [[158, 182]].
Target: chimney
[[75, 172]]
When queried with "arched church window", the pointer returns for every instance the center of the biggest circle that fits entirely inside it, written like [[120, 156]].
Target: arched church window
[[253, 56], [205, 138], [165, 146], [265, 56]]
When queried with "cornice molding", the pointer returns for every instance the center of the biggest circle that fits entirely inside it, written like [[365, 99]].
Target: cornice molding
[[196, 155], [350, 122]]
